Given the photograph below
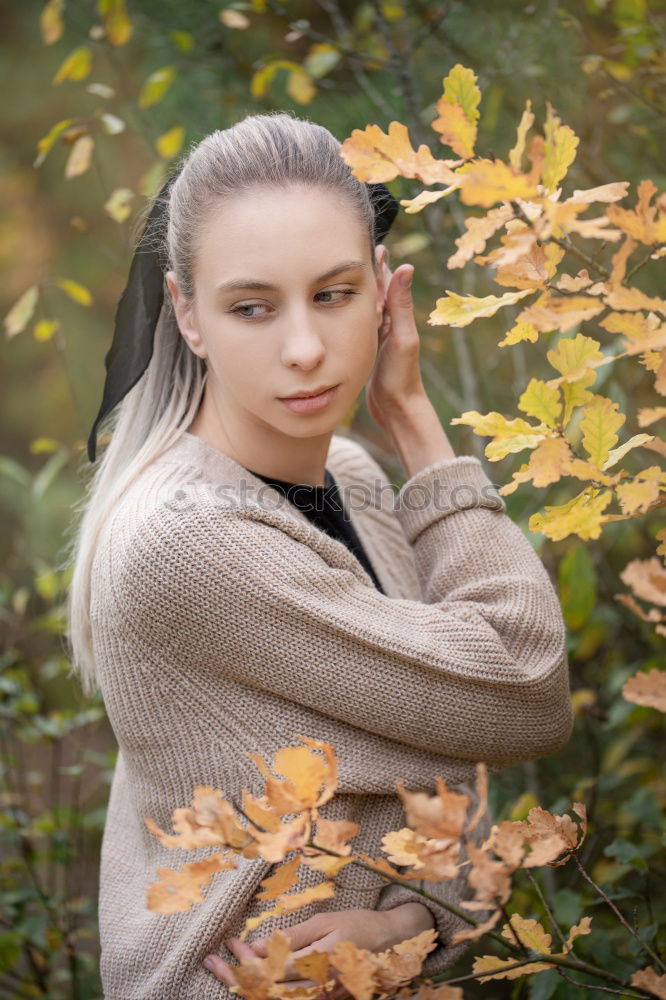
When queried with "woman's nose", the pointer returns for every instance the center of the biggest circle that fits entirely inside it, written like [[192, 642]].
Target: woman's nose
[[303, 345]]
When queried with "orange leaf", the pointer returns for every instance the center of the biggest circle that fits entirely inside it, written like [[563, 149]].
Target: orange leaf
[[377, 156], [284, 879], [647, 689], [488, 181], [455, 128], [177, 891]]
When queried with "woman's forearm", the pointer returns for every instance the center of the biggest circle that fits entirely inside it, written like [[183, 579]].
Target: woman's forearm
[[417, 435]]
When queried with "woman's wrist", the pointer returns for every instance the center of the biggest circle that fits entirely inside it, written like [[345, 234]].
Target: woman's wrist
[[409, 919], [417, 434]]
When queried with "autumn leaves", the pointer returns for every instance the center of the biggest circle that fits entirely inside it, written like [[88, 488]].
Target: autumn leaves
[[539, 233], [435, 845]]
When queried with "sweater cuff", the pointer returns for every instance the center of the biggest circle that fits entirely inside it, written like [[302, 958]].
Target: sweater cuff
[[438, 959], [441, 489]]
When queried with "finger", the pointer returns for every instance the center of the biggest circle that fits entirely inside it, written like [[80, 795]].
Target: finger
[[220, 969]]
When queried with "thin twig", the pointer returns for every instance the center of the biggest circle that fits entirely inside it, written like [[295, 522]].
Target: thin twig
[[544, 903], [644, 947], [641, 263]]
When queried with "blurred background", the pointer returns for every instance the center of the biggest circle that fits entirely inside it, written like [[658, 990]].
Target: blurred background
[[98, 100]]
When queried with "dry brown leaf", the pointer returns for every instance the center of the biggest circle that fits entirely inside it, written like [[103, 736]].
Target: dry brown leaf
[[647, 689]]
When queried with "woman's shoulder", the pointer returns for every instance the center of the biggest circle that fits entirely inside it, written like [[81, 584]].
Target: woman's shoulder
[[191, 485]]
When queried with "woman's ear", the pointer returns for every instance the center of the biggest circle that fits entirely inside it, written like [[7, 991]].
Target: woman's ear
[[184, 316]]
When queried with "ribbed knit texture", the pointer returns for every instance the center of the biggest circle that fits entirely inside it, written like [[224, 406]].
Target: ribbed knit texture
[[225, 624]]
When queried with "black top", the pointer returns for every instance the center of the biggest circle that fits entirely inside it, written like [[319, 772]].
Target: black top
[[323, 506]]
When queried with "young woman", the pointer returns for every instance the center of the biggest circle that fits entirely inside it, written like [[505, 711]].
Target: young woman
[[223, 612]]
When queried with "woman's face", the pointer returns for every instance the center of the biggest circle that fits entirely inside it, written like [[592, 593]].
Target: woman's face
[[286, 301]]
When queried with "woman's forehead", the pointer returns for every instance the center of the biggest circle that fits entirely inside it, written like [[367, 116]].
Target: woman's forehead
[[266, 232]]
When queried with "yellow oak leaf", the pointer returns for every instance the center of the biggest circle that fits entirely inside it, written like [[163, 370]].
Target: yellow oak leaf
[[647, 689], [636, 497], [530, 932], [525, 124], [505, 968], [573, 355], [582, 516], [315, 965], [541, 401], [599, 423], [460, 87], [576, 393], [376, 156], [647, 579], [615, 454], [461, 310], [642, 224], [561, 143], [549, 461], [533, 269], [455, 128], [552, 312], [567, 283], [479, 229], [519, 332], [458, 111], [650, 414], [488, 181], [509, 436], [578, 930], [614, 191], [629, 299], [425, 198]]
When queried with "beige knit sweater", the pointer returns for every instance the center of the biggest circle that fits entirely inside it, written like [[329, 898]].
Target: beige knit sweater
[[225, 623]]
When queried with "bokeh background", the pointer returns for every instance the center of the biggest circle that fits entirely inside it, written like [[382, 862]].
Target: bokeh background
[[140, 82]]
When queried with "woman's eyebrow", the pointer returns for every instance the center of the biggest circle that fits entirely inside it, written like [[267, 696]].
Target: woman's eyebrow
[[243, 283]]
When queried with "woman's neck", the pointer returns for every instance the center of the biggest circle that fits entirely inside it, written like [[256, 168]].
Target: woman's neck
[[263, 449]]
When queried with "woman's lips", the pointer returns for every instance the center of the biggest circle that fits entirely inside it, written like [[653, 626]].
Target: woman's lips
[[310, 404]]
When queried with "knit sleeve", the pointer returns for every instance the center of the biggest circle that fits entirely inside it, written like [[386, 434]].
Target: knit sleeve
[[476, 670]]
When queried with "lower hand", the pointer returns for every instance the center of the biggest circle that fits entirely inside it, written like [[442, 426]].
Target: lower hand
[[396, 376], [373, 930]]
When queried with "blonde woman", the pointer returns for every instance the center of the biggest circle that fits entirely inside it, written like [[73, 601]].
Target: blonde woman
[[244, 574]]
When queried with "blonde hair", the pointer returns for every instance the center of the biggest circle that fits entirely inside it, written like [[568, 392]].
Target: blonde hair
[[273, 149]]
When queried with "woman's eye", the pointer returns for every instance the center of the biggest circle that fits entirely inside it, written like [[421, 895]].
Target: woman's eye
[[252, 305], [339, 291]]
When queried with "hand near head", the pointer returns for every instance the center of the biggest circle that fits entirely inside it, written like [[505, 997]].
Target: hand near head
[[395, 380], [374, 930]]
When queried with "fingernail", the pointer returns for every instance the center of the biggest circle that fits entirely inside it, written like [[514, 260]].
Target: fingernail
[[406, 278], [209, 963]]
